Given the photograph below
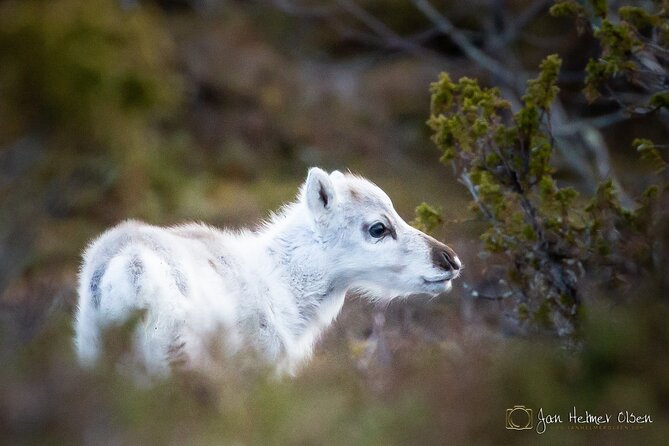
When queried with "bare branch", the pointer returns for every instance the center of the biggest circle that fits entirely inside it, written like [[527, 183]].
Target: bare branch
[[588, 133], [575, 127], [383, 31], [295, 10], [473, 53], [515, 30], [467, 181]]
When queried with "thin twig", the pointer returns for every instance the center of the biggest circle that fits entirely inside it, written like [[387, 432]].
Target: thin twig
[[461, 41], [383, 31], [314, 12], [464, 179], [599, 122], [515, 30]]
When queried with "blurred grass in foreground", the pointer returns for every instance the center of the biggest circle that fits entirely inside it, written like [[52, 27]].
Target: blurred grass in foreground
[[452, 391]]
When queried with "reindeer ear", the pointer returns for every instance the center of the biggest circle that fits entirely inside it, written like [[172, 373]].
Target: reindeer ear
[[319, 190]]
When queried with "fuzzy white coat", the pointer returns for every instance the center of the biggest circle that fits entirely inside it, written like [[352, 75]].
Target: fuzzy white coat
[[275, 289]]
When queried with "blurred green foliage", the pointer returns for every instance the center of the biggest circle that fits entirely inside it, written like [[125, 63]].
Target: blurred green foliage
[[553, 242], [87, 72], [90, 82], [427, 218], [630, 42]]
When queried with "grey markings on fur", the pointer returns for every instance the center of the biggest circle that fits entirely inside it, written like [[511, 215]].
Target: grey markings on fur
[[262, 321], [95, 284], [108, 253], [308, 307], [180, 280], [176, 354], [136, 266], [135, 269], [224, 261], [160, 250], [311, 300]]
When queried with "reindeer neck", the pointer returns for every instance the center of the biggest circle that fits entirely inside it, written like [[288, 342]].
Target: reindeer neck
[[302, 261]]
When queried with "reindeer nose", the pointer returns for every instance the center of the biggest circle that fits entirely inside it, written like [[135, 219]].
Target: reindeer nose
[[447, 259], [443, 256]]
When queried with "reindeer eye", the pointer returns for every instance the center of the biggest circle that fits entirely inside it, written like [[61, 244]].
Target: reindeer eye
[[377, 230]]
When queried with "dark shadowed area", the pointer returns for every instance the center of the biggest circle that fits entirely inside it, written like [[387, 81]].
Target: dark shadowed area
[[546, 174]]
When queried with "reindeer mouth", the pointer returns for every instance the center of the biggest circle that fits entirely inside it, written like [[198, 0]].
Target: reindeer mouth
[[437, 284], [435, 280], [440, 279]]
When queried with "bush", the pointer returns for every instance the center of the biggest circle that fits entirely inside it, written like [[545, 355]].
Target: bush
[[553, 243]]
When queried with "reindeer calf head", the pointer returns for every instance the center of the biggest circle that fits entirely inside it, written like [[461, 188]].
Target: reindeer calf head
[[369, 247]]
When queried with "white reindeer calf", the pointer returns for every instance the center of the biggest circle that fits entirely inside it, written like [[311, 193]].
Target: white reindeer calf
[[275, 289]]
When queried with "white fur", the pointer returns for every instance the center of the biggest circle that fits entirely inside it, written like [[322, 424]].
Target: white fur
[[275, 289]]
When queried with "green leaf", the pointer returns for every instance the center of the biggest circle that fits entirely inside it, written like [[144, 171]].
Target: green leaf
[[427, 218]]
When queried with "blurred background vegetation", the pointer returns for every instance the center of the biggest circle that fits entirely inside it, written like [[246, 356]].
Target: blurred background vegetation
[[212, 110]]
